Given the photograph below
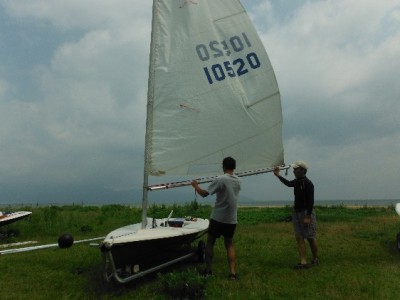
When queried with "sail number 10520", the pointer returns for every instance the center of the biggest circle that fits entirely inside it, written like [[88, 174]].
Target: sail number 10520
[[238, 67], [231, 68]]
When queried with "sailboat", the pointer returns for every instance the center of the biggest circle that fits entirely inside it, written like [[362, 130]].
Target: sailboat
[[212, 93], [11, 217]]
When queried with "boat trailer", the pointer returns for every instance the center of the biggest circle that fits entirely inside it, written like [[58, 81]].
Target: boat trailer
[[132, 272]]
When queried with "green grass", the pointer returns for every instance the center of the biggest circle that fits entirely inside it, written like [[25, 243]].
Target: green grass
[[358, 255]]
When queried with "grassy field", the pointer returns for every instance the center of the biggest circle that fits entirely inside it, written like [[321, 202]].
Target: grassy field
[[358, 256]]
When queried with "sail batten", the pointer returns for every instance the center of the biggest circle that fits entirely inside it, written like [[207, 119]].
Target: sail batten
[[229, 16], [263, 99]]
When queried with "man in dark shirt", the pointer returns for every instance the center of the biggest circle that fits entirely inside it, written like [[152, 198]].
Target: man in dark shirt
[[304, 221]]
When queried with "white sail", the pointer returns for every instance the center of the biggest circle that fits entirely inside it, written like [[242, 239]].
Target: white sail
[[212, 91]]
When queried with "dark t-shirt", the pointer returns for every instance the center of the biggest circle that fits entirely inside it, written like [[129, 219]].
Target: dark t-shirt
[[303, 193]]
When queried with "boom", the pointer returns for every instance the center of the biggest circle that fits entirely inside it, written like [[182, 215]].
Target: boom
[[164, 186]]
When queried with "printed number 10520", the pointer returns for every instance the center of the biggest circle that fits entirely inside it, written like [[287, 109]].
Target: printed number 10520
[[238, 67]]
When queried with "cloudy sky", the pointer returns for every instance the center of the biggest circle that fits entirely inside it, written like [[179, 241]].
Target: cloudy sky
[[73, 84]]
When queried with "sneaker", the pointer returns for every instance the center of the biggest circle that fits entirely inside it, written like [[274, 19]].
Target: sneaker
[[301, 266], [206, 273], [233, 276], [315, 262]]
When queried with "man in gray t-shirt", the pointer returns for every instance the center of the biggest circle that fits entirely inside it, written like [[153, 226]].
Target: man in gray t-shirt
[[224, 214], [226, 187]]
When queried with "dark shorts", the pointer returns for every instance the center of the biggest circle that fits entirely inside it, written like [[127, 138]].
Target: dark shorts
[[306, 231], [216, 229]]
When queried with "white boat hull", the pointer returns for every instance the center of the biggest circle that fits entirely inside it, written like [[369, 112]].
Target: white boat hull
[[131, 249], [397, 208], [7, 218]]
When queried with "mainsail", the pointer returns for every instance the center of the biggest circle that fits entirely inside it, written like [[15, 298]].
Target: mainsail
[[212, 91]]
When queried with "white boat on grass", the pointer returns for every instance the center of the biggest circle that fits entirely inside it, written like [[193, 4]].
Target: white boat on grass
[[212, 93], [397, 209], [132, 251], [10, 217]]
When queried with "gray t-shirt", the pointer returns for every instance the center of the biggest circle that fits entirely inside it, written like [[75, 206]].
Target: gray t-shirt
[[227, 188]]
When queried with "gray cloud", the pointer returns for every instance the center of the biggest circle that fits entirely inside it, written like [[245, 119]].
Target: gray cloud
[[73, 84], [338, 68]]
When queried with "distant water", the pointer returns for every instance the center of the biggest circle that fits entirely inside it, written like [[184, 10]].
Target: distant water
[[247, 203], [382, 202]]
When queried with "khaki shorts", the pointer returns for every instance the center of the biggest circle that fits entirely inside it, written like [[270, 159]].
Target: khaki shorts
[[306, 231]]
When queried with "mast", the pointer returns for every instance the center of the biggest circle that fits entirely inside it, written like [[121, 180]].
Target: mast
[[149, 117]]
